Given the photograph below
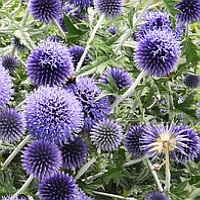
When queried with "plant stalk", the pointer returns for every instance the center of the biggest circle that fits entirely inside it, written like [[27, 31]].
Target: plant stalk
[[55, 22], [167, 170]]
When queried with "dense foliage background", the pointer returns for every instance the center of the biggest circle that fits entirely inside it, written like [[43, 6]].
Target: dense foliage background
[[149, 104]]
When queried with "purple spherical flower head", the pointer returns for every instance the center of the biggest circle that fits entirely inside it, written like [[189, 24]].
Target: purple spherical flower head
[[158, 53], [82, 4], [190, 11], [76, 53], [157, 20], [41, 159], [53, 114], [112, 30], [74, 153], [17, 44], [182, 142], [59, 186], [12, 125], [156, 196], [45, 10], [191, 81], [111, 8], [106, 135], [122, 78], [132, 141], [10, 63], [87, 92], [50, 64], [5, 86]]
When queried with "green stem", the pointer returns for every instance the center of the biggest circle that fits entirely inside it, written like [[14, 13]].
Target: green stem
[[15, 152], [89, 42], [155, 175], [55, 22], [167, 170], [113, 195], [129, 32], [170, 101], [130, 90]]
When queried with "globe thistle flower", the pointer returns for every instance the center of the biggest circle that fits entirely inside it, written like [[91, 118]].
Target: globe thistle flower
[[112, 30], [12, 125], [106, 135], [5, 86], [111, 8], [74, 153], [157, 20], [82, 4], [45, 10], [132, 141], [157, 53], [182, 142], [53, 114], [42, 159], [156, 196], [191, 81], [119, 76], [9, 63], [76, 53], [59, 186], [17, 44], [87, 92], [50, 64], [190, 11]]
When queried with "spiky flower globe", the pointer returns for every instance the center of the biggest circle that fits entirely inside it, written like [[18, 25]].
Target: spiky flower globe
[[106, 135], [158, 53], [82, 4], [191, 81], [182, 142], [157, 20], [74, 153], [132, 141], [87, 93], [45, 10], [156, 196], [5, 86], [50, 64], [10, 63], [121, 77], [12, 125], [190, 11], [17, 44], [58, 186], [53, 114], [111, 9], [41, 159], [76, 53]]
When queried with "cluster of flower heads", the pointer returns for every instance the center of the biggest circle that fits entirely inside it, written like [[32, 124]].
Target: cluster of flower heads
[[189, 11], [191, 81], [111, 9], [45, 10], [53, 114], [50, 63], [87, 93]]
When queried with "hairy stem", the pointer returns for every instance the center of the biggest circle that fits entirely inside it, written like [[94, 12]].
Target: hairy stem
[[155, 175], [15, 152], [89, 42], [167, 170]]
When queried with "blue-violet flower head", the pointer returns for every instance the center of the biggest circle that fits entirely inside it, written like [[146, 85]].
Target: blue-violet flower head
[[59, 186], [158, 53], [41, 159], [53, 114], [10, 63], [106, 135], [191, 81], [12, 125], [156, 196]]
